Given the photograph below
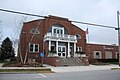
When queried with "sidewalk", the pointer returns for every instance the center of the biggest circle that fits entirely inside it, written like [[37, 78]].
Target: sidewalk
[[67, 68], [81, 68]]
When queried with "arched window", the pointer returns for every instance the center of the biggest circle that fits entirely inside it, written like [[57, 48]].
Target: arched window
[[58, 29], [97, 55], [78, 36], [34, 31]]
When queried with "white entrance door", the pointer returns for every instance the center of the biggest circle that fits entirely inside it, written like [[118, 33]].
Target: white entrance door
[[62, 51]]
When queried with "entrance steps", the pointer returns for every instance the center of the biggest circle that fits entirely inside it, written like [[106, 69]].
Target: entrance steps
[[71, 61]]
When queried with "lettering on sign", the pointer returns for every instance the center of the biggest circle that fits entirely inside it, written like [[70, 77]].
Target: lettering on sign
[[108, 48]]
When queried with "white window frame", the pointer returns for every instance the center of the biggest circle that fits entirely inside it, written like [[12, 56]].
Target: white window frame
[[58, 29], [79, 49], [34, 48], [78, 36], [100, 54], [116, 55], [108, 54]]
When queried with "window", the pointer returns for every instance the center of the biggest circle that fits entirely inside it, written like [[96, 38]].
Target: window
[[78, 36], [34, 47], [31, 47], [34, 31], [57, 29], [78, 49], [54, 30], [97, 54], [117, 55], [108, 54], [61, 31]]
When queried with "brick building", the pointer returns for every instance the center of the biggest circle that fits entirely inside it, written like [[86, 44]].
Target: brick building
[[102, 52], [57, 37]]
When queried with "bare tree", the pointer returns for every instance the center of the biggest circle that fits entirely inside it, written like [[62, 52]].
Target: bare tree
[[18, 29], [16, 40]]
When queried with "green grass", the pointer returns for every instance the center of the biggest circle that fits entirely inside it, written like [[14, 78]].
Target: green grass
[[46, 70]]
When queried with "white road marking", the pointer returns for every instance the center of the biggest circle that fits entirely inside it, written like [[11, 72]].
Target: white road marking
[[42, 75]]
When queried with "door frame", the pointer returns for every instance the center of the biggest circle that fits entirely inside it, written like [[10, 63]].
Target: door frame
[[61, 49]]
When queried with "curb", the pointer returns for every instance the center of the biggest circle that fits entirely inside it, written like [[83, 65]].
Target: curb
[[27, 71], [115, 68]]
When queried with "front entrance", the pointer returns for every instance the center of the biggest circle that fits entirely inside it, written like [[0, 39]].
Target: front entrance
[[62, 51]]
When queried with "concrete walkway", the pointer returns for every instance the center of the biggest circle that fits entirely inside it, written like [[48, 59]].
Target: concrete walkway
[[67, 68], [81, 68]]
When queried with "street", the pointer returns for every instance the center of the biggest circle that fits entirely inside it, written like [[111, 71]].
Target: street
[[82, 75]]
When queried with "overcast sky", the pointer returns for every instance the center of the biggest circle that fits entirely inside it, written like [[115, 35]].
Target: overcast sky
[[93, 11]]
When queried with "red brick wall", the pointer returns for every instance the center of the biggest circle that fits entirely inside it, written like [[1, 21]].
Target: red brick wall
[[54, 61], [98, 47]]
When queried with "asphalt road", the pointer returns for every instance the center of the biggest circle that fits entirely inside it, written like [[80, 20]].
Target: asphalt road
[[86, 75]]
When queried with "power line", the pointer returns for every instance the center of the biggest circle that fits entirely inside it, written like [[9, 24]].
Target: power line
[[20, 13], [28, 14], [95, 24]]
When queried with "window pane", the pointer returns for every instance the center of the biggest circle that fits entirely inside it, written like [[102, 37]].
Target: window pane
[[59, 49], [61, 32], [63, 49], [31, 47], [36, 48], [54, 30], [97, 55], [78, 36], [52, 48], [63, 54], [57, 31], [108, 54]]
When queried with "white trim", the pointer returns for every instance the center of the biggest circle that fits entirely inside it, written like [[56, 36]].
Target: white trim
[[108, 54], [79, 49], [57, 47], [116, 55], [58, 28], [97, 57], [68, 49], [61, 47], [49, 45], [60, 38], [74, 48], [33, 47]]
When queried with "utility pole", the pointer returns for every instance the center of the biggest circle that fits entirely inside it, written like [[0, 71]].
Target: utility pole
[[118, 35]]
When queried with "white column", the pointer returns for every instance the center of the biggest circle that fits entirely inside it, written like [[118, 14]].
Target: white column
[[74, 48], [68, 49], [49, 45], [57, 48]]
